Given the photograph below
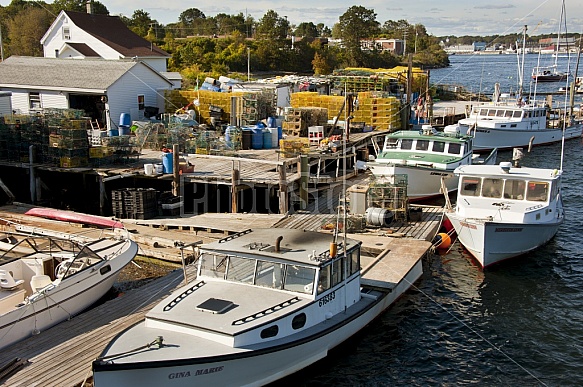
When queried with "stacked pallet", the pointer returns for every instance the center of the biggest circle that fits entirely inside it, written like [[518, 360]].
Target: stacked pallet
[[134, 203], [375, 109], [298, 120]]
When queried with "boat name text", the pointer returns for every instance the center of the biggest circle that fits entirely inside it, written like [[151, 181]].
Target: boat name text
[[326, 299], [203, 371], [508, 229], [440, 174]]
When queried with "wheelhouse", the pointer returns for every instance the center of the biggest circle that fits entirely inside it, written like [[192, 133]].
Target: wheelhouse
[[509, 188]]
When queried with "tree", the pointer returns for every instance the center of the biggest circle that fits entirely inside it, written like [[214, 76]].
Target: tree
[[79, 6], [354, 25], [306, 30], [140, 22], [25, 31], [271, 26]]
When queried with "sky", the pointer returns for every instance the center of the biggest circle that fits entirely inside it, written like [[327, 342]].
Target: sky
[[440, 18]]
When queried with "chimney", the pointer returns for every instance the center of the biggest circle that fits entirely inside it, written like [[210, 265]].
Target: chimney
[[89, 5]]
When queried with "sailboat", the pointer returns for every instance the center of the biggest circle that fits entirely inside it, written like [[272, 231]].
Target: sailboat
[[552, 73]]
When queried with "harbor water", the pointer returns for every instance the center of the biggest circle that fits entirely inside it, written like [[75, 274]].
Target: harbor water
[[519, 323]]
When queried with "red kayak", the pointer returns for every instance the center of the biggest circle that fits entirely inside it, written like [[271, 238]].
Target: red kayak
[[74, 217]]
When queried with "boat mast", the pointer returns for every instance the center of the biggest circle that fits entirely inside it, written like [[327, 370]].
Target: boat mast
[[521, 77]]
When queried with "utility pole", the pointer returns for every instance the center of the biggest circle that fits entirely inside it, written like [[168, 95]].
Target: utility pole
[[248, 63]]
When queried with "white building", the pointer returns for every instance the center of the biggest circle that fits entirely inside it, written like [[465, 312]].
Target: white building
[[80, 35], [104, 89]]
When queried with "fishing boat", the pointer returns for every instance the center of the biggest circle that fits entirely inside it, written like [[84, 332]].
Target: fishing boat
[[265, 303], [425, 158], [46, 280], [509, 124], [503, 211]]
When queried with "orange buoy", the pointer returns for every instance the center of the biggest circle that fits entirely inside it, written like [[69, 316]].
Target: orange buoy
[[442, 241]]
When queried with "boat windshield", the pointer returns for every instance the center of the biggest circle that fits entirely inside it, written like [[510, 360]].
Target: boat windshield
[[258, 272], [537, 191], [492, 188]]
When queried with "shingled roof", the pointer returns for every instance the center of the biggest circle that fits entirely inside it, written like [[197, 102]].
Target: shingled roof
[[113, 32], [64, 74]]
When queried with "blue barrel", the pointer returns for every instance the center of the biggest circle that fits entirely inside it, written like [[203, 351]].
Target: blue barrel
[[266, 139], [279, 134], [256, 138], [124, 130], [271, 122], [167, 162], [113, 132], [125, 119]]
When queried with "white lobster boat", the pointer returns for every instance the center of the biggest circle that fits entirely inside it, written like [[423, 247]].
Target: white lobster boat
[[46, 280], [425, 158], [502, 212], [507, 125], [265, 303]]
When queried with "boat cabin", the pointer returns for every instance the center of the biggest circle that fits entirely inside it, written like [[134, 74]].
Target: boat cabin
[[508, 116], [508, 188], [438, 144], [282, 268], [262, 285]]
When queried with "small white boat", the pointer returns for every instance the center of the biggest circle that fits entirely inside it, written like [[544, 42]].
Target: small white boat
[[265, 303], [503, 211], [46, 280], [424, 158]]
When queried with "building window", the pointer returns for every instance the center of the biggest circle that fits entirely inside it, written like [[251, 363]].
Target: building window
[[141, 102], [34, 101], [66, 33]]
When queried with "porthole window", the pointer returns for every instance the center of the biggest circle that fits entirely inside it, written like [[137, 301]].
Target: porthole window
[[299, 321], [272, 331]]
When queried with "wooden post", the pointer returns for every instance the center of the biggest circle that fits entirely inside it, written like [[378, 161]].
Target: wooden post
[[175, 170], [234, 189], [304, 174], [101, 194], [283, 197], [32, 174]]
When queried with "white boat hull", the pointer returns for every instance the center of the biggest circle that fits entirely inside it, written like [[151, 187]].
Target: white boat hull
[[422, 183], [61, 302], [492, 242], [490, 138], [255, 367]]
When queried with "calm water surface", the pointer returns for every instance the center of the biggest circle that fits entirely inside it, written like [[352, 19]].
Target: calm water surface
[[516, 324]]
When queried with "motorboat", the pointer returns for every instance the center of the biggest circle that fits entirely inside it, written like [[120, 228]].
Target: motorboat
[[504, 211], [265, 303], [548, 74], [508, 124], [45, 280], [511, 121], [422, 159]]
